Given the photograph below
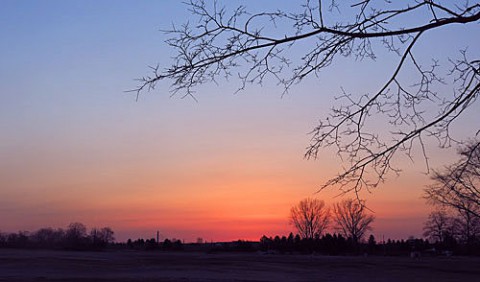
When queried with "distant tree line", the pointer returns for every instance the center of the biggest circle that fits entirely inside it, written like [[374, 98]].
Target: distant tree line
[[77, 237], [74, 237], [152, 244], [327, 244], [337, 244]]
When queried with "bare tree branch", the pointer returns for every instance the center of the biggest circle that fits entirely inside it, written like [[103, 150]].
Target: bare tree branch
[[252, 48]]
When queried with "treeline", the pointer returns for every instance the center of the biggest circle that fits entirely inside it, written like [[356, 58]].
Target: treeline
[[152, 244], [74, 237], [336, 244], [78, 238]]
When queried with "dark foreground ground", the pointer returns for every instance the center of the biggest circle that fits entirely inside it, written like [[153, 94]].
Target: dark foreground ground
[[19, 265]]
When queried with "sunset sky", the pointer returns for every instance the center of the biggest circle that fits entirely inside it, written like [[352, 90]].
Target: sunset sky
[[74, 146]]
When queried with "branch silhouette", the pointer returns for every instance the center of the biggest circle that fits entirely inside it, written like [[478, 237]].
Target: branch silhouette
[[253, 48]]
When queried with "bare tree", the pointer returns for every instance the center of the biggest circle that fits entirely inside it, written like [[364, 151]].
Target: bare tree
[[458, 185], [439, 226], [352, 219], [457, 188], [468, 227], [102, 237], [253, 47], [75, 235], [310, 217], [49, 237]]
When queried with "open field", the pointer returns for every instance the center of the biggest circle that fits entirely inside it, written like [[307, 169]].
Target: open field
[[26, 265]]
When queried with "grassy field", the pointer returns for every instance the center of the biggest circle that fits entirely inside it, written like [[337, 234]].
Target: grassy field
[[27, 265]]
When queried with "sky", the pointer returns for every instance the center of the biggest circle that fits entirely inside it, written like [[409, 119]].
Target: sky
[[76, 147]]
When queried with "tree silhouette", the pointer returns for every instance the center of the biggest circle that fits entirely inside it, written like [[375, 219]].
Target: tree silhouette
[[49, 237], [75, 235], [457, 186], [101, 237], [468, 227], [439, 226], [456, 189], [352, 219], [259, 46], [371, 244], [310, 217]]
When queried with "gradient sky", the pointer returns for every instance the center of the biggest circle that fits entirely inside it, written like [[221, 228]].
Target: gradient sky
[[75, 147]]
